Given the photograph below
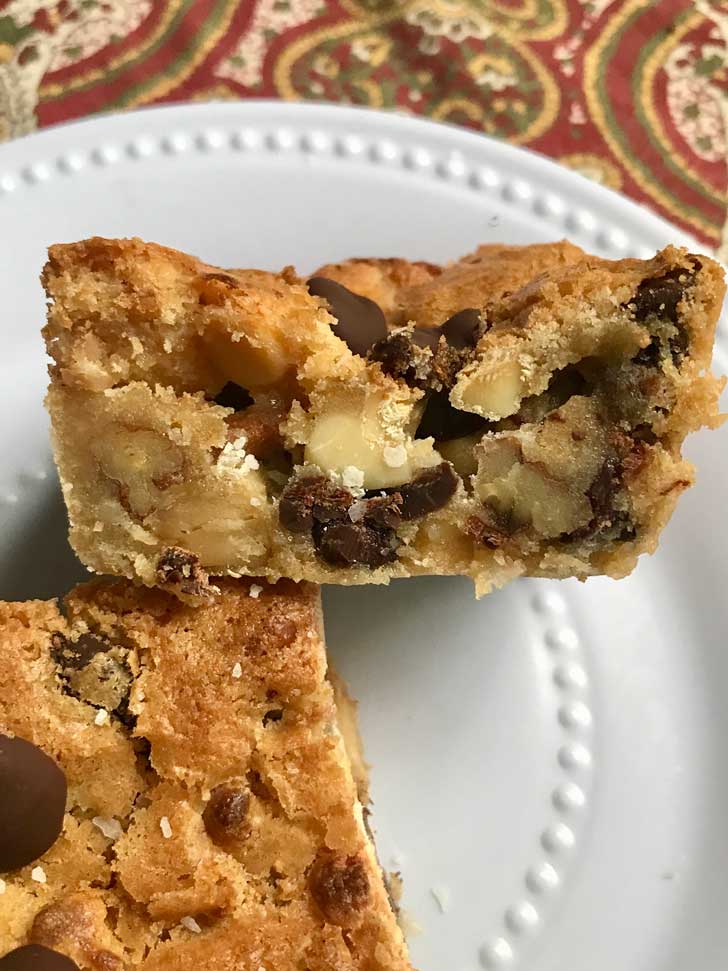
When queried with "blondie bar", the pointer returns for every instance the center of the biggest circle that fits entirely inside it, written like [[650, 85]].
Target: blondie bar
[[177, 791], [520, 411]]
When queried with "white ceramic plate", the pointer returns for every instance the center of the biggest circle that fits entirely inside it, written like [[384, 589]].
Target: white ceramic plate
[[550, 770]]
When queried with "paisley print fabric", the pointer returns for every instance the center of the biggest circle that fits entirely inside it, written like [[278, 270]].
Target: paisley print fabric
[[632, 93]]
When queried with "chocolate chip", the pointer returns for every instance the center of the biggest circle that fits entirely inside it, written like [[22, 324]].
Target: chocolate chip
[[607, 522], [659, 296], [603, 490], [488, 528], [35, 957], [649, 356], [447, 363], [340, 888], [403, 355], [177, 567], [32, 802], [419, 356], [348, 544], [679, 344], [426, 337], [310, 499], [233, 396], [431, 490], [258, 787], [644, 433], [226, 814], [380, 510], [75, 655], [274, 715], [462, 329], [359, 321], [95, 670], [443, 422]]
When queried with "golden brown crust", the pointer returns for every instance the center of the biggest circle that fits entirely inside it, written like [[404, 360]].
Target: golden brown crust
[[200, 810]]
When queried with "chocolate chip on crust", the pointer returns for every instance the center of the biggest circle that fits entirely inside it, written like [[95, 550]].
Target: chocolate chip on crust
[[421, 357], [35, 957], [360, 322], [340, 887], [32, 802], [463, 329], [226, 814]]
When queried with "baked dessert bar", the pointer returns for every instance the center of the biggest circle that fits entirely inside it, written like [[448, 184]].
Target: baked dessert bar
[[520, 411], [176, 792]]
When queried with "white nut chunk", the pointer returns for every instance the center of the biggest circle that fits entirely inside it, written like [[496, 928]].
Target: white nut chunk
[[355, 433], [494, 392]]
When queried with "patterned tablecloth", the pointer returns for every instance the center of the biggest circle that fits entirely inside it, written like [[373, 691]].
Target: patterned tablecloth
[[633, 93]]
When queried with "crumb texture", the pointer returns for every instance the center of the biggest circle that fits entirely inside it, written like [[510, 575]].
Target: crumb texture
[[519, 411], [211, 816]]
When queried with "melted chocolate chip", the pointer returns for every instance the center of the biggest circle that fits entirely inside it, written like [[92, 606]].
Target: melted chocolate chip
[[340, 887], [32, 802], [359, 321], [95, 670], [679, 345], [226, 814], [383, 510], [233, 396], [603, 490], [443, 422], [75, 655], [659, 297], [177, 567], [35, 957], [274, 715], [462, 330], [649, 356], [607, 522], [426, 337], [349, 544], [431, 490], [346, 531], [488, 528], [402, 356], [310, 499]]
